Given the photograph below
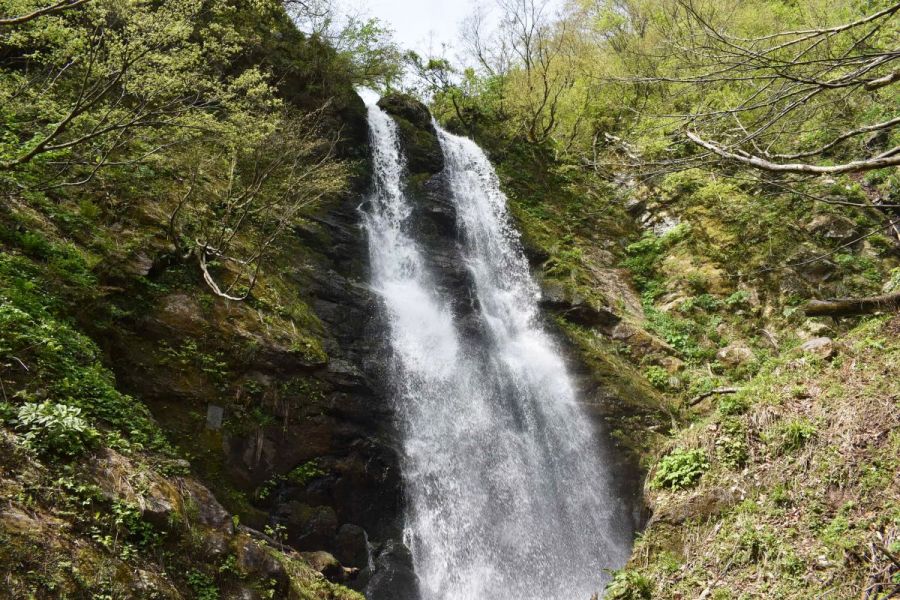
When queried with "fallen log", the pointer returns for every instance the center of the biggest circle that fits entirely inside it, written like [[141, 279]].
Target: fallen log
[[845, 307], [701, 397]]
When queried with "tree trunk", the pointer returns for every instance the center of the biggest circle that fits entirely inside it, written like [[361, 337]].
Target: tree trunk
[[845, 307]]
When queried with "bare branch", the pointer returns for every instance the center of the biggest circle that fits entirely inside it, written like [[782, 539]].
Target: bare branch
[[760, 163]]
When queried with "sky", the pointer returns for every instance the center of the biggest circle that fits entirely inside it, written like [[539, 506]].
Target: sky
[[421, 25]]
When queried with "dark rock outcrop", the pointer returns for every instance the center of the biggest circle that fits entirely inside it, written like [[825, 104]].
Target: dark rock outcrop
[[417, 133], [393, 577]]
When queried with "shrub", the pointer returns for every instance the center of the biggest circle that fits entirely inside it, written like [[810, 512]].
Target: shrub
[[738, 298], [55, 429], [628, 585], [680, 469], [658, 377], [306, 472], [203, 585], [732, 405]]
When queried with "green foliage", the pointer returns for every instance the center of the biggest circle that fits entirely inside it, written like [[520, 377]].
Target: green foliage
[[704, 302], [739, 298], [53, 359], [628, 585], [368, 46], [680, 469], [733, 404], [682, 334], [643, 255], [55, 429], [793, 435], [731, 444], [140, 533], [657, 376], [203, 585], [303, 474]]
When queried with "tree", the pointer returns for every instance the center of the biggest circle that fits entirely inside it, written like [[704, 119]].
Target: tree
[[113, 89], [230, 226], [532, 58], [115, 83], [40, 11], [810, 101], [364, 43]]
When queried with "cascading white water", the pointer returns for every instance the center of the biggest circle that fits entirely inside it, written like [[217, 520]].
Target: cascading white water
[[508, 494]]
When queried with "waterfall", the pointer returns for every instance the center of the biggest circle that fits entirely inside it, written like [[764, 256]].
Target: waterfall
[[508, 495]]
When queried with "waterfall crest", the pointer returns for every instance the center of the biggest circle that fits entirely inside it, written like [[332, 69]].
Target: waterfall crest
[[508, 494]]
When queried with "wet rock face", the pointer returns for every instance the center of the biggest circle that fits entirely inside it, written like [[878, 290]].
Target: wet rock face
[[393, 577]]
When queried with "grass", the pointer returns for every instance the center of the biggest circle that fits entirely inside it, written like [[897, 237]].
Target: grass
[[811, 456]]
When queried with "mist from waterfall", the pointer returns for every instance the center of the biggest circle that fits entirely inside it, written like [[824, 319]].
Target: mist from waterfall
[[508, 494]]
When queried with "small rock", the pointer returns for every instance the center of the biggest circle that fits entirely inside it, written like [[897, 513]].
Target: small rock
[[329, 566], [814, 329], [735, 355], [833, 227], [702, 505], [823, 347], [671, 364], [214, 415], [665, 223]]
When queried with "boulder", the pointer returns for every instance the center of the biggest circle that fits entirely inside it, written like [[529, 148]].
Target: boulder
[[120, 480], [140, 264], [394, 576], [207, 509], [254, 558], [672, 365], [735, 355], [701, 505], [417, 133], [308, 527], [329, 566], [823, 347], [574, 308], [351, 546]]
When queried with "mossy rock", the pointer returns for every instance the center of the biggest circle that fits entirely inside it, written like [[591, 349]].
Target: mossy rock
[[418, 135]]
